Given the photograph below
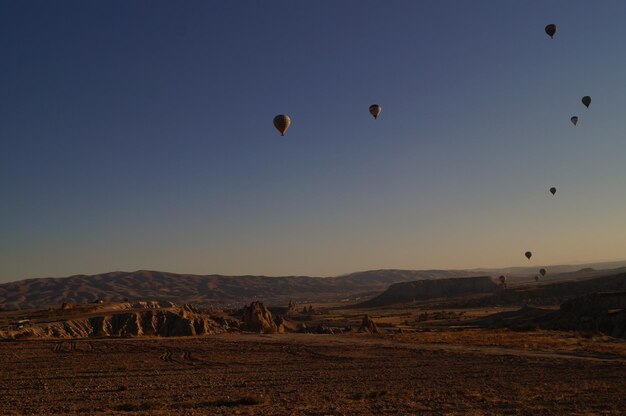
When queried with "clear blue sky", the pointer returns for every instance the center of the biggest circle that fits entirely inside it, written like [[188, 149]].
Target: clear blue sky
[[138, 135]]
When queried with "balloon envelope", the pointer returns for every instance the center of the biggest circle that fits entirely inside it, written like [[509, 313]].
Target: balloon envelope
[[553, 190], [542, 271], [551, 30], [502, 279], [375, 110], [574, 120], [586, 100], [528, 255], [282, 123]]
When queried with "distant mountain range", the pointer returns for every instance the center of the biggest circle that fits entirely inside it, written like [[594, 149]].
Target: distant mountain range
[[219, 290]]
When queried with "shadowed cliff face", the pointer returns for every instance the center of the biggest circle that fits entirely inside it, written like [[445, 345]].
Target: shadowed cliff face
[[432, 289], [604, 312], [596, 312]]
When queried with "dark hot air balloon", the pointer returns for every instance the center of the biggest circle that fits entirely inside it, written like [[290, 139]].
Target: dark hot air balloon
[[542, 272], [551, 30], [375, 110], [553, 190], [282, 123], [586, 100], [502, 280], [574, 120], [528, 255]]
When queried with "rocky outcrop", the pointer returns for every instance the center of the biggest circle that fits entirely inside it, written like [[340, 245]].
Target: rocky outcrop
[[318, 329], [257, 318], [168, 322], [430, 289], [280, 324], [368, 325]]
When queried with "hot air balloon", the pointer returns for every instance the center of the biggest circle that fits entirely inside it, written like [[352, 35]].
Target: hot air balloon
[[574, 120], [553, 190], [375, 110], [551, 30], [586, 100], [282, 123], [528, 255], [542, 272], [502, 280]]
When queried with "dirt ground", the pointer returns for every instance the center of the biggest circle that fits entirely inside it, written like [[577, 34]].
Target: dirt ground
[[306, 374]]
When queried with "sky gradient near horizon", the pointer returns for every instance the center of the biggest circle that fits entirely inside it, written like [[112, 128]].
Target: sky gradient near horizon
[[138, 135]]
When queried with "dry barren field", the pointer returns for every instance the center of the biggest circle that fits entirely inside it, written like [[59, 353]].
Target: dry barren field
[[456, 373]]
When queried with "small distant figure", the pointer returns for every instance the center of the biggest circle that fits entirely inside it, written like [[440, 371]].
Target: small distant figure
[[502, 280]]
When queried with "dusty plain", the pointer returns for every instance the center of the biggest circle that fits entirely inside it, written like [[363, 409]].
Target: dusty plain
[[448, 372], [441, 356]]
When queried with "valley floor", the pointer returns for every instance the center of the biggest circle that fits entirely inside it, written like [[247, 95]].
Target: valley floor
[[456, 373]]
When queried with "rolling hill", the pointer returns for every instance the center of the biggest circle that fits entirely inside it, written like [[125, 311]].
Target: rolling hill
[[203, 290], [226, 291]]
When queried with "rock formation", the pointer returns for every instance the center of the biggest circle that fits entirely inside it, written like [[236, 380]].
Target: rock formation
[[369, 326], [280, 324], [165, 322], [257, 318]]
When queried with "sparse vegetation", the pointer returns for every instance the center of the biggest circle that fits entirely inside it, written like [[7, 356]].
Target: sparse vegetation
[[400, 359], [224, 402], [372, 395], [134, 407], [439, 372]]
